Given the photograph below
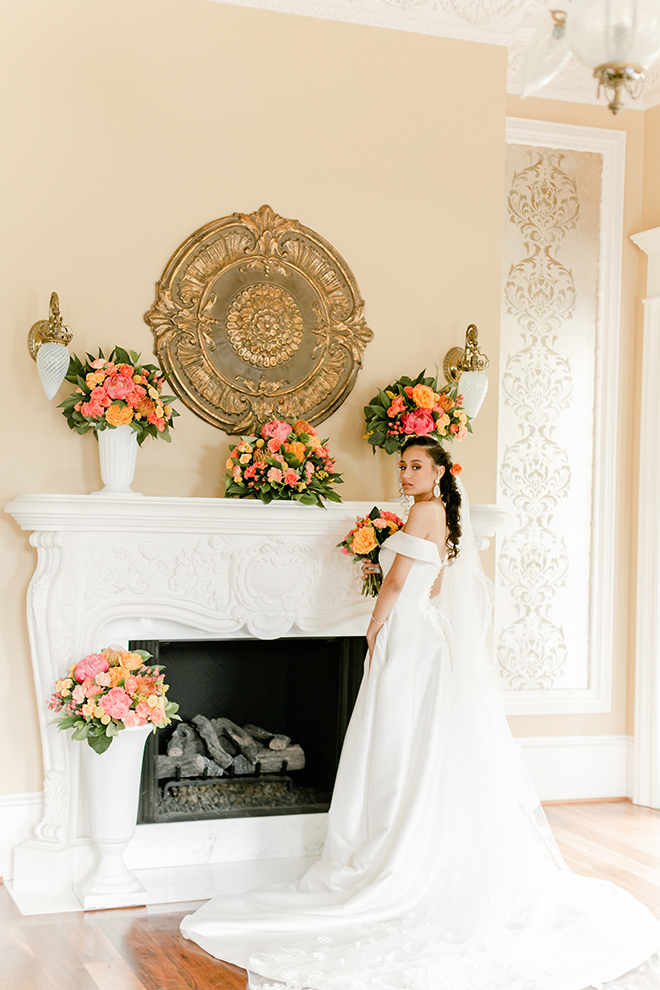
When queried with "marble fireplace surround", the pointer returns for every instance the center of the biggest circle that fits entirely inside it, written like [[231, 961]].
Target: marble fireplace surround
[[114, 569]]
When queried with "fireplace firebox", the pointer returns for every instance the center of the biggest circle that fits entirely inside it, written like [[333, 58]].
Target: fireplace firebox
[[300, 689]]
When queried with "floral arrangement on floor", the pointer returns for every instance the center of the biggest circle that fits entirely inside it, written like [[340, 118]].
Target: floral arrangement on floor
[[109, 691], [118, 391], [284, 462], [364, 543], [415, 407]]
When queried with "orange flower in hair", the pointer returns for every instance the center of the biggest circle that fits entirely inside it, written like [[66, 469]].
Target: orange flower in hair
[[456, 470]]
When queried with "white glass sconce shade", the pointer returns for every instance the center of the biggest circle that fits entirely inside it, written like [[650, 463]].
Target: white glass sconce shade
[[52, 364], [473, 386]]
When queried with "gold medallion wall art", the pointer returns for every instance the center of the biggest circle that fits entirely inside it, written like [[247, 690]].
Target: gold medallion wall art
[[256, 318]]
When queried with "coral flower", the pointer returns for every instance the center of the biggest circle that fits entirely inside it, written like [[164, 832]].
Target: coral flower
[[274, 445], [274, 474], [398, 406], [364, 540], [118, 386], [291, 477]]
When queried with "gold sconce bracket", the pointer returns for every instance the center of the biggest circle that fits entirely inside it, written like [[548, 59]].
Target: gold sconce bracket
[[468, 358], [50, 331]]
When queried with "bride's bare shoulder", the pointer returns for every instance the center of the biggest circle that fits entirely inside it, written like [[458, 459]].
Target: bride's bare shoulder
[[424, 517]]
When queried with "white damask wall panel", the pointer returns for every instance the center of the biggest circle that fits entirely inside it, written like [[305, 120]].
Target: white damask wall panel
[[558, 390]]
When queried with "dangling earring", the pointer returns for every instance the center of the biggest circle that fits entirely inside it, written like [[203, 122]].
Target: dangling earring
[[436, 489]]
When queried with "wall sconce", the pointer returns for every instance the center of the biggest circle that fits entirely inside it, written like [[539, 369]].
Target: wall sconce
[[47, 343], [466, 366]]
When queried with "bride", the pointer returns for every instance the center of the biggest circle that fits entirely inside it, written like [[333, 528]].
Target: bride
[[439, 870]]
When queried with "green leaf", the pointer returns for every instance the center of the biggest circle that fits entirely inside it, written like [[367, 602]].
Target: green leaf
[[81, 732], [112, 729], [143, 653], [391, 445], [99, 743]]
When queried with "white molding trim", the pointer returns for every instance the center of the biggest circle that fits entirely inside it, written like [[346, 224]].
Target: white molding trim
[[578, 768], [562, 768], [506, 24], [19, 813], [597, 697], [646, 778]]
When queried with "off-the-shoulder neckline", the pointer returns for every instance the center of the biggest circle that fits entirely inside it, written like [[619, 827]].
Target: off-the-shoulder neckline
[[421, 540]]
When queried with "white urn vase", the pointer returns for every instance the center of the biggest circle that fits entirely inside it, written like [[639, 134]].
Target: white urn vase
[[112, 786], [118, 449]]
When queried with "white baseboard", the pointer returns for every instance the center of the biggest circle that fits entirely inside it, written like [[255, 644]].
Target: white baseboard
[[562, 768], [19, 813], [573, 768]]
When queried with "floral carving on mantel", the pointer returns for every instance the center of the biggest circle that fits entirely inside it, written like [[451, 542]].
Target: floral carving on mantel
[[478, 12], [537, 383], [257, 317]]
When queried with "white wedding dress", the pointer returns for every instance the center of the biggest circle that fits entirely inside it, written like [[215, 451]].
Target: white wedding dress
[[439, 870]]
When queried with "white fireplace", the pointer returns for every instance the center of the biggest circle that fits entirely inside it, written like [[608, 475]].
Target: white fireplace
[[114, 569]]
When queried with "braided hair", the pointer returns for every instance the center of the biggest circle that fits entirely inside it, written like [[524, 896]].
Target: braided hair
[[449, 493]]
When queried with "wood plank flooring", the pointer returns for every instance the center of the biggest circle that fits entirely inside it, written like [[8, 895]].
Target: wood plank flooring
[[135, 949]]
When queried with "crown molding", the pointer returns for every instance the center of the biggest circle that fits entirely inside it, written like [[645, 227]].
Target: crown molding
[[507, 23]]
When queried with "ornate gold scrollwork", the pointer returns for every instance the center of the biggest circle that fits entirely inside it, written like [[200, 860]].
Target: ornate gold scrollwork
[[257, 317]]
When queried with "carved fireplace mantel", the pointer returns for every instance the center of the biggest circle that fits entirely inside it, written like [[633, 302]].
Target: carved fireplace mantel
[[112, 569]]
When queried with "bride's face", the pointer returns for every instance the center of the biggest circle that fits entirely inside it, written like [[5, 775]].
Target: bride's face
[[418, 472]]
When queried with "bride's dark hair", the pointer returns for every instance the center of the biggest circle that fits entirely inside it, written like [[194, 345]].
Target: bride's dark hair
[[449, 493]]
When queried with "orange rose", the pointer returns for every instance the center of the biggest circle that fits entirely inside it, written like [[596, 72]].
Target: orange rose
[[297, 449], [118, 415], [130, 661], [116, 674], [364, 540], [424, 397]]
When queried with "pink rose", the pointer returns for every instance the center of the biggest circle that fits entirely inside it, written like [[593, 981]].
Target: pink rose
[[274, 445], [462, 433], [418, 423], [118, 386], [103, 679], [115, 703], [291, 477], [98, 364], [134, 398], [130, 718], [379, 523], [274, 474], [89, 667], [277, 429], [131, 684], [309, 470], [78, 694], [160, 424], [157, 715], [100, 397]]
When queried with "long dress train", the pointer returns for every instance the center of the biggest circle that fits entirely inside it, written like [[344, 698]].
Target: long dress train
[[439, 870]]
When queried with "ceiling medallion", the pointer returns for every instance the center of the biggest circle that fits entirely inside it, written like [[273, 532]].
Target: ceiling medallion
[[257, 317]]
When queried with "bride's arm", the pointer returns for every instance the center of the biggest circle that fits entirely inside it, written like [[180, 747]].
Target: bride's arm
[[391, 588], [418, 524]]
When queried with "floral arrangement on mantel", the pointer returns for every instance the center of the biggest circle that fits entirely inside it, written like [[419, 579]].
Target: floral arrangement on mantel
[[118, 391], [109, 691], [364, 541], [284, 462], [415, 407]]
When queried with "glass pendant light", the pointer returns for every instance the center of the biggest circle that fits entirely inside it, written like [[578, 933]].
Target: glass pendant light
[[47, 343]]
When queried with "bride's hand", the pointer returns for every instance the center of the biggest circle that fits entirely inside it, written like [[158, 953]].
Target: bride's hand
[[370, 567], [372, 633]]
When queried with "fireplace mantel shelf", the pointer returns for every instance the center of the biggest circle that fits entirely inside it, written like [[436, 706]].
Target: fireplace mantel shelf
[[112, 569]]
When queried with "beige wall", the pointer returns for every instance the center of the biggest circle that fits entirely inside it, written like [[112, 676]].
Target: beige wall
[[129, 123], [651, 204]]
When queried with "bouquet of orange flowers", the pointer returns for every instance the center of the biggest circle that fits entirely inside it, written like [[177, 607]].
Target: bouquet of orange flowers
[[364, 543], [118, 391], [109, 691], [284, 462], [415, 407]]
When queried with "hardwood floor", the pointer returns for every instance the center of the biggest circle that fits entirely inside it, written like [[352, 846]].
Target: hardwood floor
[[143, 950]]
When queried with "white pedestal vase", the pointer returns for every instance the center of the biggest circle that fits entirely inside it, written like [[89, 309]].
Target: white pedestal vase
[[112, 784], [118, 449]]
